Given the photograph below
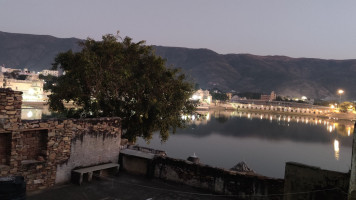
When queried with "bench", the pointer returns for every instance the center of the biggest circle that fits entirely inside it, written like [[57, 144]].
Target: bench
[[77, 174]]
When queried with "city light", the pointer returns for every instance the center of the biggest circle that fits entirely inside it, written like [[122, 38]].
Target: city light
[[29, 114], [336, 149], [340, 92]]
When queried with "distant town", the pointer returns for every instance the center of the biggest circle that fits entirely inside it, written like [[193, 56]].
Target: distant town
[[30, 83], [33, 86]]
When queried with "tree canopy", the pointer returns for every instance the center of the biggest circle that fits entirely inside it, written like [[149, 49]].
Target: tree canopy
[[346, 106], [118, 77]]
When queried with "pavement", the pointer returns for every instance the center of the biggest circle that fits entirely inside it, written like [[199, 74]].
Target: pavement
[[124, 187]]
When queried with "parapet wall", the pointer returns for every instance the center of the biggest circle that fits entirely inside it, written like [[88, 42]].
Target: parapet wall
[[218, 180], [45, 151], [308, 182]]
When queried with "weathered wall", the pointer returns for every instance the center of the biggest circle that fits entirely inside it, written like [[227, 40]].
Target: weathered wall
[[89, 149], [138, 160], [54, 162], [304, 182], [44, 151], [217, 180], [10, 107], [135, 165]]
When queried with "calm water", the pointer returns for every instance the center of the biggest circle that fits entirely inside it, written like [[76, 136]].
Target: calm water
[[265, 142]]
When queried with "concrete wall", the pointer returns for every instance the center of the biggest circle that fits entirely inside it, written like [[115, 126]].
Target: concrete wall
[[304, 182], [89, 149], [135, 165], [216, 180]]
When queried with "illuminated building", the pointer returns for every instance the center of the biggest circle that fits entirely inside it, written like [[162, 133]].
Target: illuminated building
[[269, 97], [202, 95], [32, 88], [47, 72]]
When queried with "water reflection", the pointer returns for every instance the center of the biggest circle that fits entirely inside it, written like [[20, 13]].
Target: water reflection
[[344, 127], [265, 141], [339, 129], [336, 149], [34, 113], [31, 114]]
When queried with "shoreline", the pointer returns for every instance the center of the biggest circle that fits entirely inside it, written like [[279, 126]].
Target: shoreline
[[336, 116]]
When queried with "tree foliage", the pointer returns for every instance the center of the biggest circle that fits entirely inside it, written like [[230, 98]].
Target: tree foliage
[[346, 106], [219, 96], [49, 81], [118, 77]]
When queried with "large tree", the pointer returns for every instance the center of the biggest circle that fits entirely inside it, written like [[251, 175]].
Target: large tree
[[118, 77]]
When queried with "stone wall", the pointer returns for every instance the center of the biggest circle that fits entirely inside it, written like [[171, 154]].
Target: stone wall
[[10, 107], [45, 151], [307, 182], [218, 180]]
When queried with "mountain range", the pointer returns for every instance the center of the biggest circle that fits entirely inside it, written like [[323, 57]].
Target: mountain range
[[296, 77]]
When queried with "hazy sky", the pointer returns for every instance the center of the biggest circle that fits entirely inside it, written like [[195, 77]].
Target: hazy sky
[[296, 28]]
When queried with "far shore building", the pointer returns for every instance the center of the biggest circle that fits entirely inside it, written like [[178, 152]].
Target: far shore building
[[236, 98], [47, 72], [203, 96], [229, 95], [269, 97], [8, 70], [32, 87]]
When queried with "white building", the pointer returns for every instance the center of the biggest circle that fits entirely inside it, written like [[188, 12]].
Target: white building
[[32, 88], [8, 70], [47, 72], [203, 96]]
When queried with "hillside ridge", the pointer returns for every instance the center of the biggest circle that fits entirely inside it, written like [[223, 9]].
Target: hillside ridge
[[311, 77]]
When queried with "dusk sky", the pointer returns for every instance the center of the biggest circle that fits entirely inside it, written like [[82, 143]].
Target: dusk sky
[[296, 28]]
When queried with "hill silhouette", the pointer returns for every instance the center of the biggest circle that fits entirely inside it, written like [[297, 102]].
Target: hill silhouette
[[315, 78]]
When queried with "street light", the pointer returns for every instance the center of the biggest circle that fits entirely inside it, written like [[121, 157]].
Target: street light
[[340, 92]]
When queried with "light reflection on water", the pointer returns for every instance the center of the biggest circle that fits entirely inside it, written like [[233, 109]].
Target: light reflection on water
[[32, 113], [265, 141]]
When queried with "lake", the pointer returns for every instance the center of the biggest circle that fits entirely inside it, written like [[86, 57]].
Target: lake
[[264, 141]]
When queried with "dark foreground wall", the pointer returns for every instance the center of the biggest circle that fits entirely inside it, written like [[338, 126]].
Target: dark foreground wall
[[216, 180], [304, 182]]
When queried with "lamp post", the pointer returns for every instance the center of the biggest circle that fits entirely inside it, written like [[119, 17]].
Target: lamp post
[[340, 92]]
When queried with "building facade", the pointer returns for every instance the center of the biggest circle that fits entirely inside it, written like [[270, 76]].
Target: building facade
[[202, 95], [47, 72], [269, 97]]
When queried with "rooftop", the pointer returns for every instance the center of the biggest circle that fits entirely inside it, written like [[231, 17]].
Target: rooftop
[[123, 186]]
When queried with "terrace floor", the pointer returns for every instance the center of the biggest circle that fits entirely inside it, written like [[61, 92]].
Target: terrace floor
[[124, 186]]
